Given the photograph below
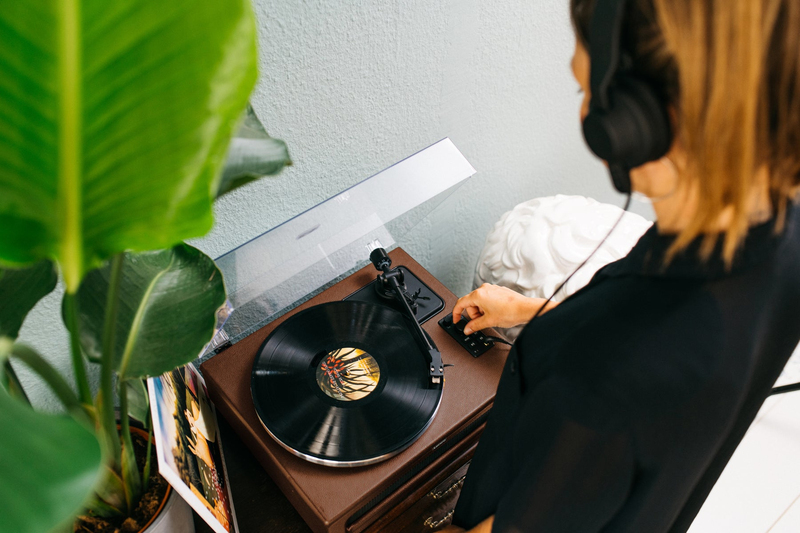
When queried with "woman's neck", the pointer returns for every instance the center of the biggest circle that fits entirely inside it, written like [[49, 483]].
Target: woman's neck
[[674, 212]]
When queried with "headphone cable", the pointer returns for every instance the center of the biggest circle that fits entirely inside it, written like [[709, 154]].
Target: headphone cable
[[563, 283], [774, 391]]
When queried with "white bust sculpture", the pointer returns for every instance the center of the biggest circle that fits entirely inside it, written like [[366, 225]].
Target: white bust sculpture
[[535, 246]]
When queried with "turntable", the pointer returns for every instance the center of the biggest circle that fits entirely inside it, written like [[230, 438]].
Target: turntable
[[335, 371]]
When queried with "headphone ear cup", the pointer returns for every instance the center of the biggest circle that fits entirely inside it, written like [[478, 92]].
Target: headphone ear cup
[[633, 130]]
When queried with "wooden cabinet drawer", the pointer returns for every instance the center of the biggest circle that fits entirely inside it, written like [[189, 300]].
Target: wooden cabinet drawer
[[434, 510]]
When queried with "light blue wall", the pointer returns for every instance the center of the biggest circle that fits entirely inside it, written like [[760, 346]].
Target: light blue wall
[[353, 87]]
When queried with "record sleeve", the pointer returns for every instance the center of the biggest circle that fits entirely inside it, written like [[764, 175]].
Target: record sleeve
[[189, 447]]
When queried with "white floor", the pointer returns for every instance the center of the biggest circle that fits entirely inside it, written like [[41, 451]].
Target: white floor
[[759, 491]]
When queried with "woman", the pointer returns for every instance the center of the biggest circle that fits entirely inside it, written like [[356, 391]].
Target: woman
[[618, 408]]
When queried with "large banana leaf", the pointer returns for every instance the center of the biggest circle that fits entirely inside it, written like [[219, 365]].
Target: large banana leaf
[[167, 310], [114, 122], [252, 154], [49, 466], [20, 290]]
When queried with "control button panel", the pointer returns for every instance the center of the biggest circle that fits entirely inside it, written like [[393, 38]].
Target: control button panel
[[476, 344]]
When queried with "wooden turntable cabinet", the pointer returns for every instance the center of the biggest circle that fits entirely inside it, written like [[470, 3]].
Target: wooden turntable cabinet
[[353, 499], [276, 270]]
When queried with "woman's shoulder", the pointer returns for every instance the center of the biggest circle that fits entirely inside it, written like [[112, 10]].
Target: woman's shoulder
[[653, 351]]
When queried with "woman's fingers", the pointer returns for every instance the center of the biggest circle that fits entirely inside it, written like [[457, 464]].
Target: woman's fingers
[[462, 304], [491, 306], [477, 324], [474, 312], [477, 305]]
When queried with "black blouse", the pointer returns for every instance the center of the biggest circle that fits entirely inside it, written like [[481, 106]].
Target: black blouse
[[618, 409]]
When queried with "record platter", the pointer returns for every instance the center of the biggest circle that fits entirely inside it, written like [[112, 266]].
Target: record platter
[[342, 395], [346, 383]]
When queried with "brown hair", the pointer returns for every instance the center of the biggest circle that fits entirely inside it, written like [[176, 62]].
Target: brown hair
[[730, 70]]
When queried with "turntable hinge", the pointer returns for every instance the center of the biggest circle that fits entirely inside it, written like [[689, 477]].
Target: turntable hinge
[[218, 342]]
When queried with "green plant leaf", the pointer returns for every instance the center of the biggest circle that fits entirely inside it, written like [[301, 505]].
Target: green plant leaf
[[109, 497], [138, 401], [53, 379], [131, 476], [115, 119], [20, 290], [252, 154], [167, 310], [49, 465], [10, 381]]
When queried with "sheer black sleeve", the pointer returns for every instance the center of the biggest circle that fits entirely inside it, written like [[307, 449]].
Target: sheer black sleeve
[[574, 475]]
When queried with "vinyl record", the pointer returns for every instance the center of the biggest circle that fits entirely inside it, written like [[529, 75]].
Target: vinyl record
[[344, 384]]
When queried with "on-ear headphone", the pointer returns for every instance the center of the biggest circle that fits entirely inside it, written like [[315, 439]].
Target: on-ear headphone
[[628, 124]]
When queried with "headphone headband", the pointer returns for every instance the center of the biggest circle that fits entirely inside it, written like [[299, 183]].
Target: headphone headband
[[605, 33], [628, 124]]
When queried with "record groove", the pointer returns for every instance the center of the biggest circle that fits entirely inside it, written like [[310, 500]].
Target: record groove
[[344, 384]]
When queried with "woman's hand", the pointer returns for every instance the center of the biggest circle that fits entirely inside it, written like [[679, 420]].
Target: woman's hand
[[493, 306]]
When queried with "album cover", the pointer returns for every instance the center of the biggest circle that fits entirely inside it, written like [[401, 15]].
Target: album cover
[[188, 445]]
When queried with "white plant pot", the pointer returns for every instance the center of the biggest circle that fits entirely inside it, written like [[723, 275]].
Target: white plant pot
[[175, 517]]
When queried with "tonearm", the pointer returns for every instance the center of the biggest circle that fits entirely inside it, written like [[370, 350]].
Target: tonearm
[[390, 281]]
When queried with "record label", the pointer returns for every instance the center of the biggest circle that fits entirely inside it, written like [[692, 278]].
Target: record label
[[348, 374]]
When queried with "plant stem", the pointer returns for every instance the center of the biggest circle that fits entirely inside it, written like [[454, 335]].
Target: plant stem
[[125, 428], [53, 378], [130, 474], [146, 473], [12, 384], [107, 421], [70, 146], [71, 308]]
